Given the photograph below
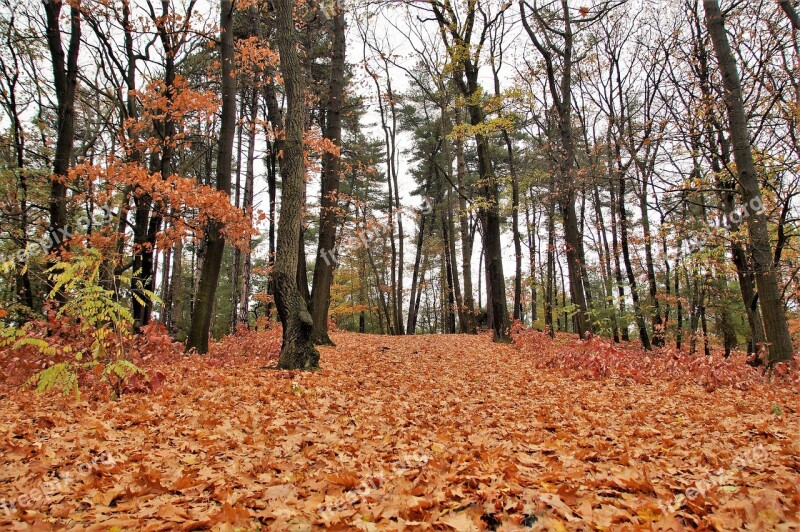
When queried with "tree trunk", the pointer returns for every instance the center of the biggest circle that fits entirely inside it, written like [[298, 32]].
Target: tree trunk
[[65, 80], [791, 12], [776, 326], [329, 203], [626, 255], [466, 237], [215, 241], [413, 305], [297, 351]]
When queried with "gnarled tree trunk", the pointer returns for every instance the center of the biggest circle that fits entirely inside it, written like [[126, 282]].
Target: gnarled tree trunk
[[298, 351]]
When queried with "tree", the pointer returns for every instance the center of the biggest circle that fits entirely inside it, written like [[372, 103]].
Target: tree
[[215, 244], [329, 200], [561, 94], [775, 324], [297, 351], [457, 32], [65, 79]]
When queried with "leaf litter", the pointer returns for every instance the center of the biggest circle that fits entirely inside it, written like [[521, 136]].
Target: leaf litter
[[417, 433]]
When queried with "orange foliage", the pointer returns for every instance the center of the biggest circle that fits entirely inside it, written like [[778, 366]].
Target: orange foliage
[[410, 433], [188, 206]]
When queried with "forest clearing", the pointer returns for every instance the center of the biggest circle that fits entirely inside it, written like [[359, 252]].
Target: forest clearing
[[416, 433]]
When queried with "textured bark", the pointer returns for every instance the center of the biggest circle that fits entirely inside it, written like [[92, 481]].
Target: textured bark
[[297, 351], [215, 241], [329, 220], [776, 326]]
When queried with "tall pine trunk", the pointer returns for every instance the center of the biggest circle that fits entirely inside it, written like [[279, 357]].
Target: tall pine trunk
[[215, 241], [325, 263]]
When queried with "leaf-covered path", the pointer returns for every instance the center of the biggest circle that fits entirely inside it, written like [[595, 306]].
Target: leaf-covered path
[[436, 432]]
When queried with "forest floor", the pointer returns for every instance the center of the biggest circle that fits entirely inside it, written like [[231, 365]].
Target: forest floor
[[424, 432]]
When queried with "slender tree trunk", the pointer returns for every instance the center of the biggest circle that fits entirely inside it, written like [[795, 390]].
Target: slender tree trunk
[[530, 224], [626, 255], [623, 322], [247, 206], [466, 237], [679, 325], [776, 326], [605, 259], [329, 202], [236, 277], [215, 241], [413, 302], [657, 319], [549, 298]]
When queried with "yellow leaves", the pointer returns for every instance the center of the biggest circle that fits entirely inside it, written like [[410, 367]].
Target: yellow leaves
[[488, 128]]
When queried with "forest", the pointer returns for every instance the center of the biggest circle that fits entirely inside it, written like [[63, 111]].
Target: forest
[[400, 264]]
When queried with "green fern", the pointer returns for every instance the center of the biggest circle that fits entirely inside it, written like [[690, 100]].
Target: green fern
[[93, 308], [60, 377]]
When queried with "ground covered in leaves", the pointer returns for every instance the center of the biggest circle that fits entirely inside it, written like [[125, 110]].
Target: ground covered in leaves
[[437, 432]]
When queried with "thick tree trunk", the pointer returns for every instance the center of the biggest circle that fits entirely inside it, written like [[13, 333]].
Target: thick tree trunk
[[215, 241], [329, 204], [297, 351], [791, 12], [776, 326]]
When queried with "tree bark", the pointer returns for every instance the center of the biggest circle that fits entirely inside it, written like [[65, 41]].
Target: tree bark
[[776, 326], [297, 351], [215, 241], [791, 12], [329, 203], [65, 80]]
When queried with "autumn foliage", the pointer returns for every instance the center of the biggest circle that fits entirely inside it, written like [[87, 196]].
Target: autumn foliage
[[425, 432]]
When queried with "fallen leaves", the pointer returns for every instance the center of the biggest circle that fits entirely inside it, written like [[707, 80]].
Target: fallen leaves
[[442, 432]]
